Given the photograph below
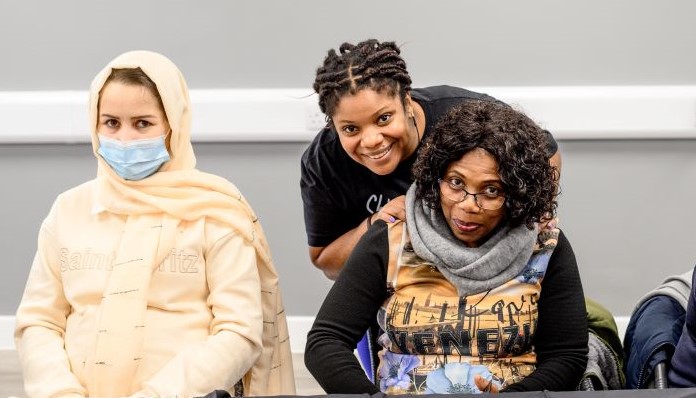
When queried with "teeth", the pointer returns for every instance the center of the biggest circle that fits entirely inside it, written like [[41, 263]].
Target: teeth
[[379, 155]]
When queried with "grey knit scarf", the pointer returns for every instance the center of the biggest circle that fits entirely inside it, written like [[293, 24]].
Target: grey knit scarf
[[470, 269]]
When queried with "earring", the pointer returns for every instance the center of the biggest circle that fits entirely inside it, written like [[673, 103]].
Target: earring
[[415, 124]]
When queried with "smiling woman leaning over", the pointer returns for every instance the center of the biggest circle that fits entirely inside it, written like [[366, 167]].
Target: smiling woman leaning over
[[470, 294]]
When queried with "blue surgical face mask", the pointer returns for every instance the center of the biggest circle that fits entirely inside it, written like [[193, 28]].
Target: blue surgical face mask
[[134, 160]]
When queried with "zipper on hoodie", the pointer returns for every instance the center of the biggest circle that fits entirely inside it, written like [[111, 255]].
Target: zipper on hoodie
[[643, 369]]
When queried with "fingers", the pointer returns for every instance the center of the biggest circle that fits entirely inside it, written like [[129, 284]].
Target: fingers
[[397, 207], [485, 385], [393, 210], [381, 215]]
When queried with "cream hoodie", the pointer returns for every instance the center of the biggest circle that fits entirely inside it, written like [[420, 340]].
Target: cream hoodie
[[159, 287]]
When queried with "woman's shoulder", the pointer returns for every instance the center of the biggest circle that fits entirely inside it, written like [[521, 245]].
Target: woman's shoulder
[[80, 196], [216, 231], [325, 143], [547, 238], [74, 205], [560, 249], [446, 92], [325, 156]]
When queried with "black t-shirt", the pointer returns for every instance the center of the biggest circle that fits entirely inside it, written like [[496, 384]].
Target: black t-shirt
[[338, 193]]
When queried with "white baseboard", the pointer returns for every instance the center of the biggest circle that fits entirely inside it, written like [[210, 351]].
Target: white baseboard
[[297, 325], [292, 115], [621, 324], [7, 324]]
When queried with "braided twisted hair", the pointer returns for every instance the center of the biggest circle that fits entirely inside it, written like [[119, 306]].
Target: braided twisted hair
[[368, 64]]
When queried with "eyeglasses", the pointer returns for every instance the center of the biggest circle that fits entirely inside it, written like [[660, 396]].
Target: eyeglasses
[[484, 200]]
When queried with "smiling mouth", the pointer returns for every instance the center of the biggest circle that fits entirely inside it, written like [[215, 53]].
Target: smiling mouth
[[380, 154]]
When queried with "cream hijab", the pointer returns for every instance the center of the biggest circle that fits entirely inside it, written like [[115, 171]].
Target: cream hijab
[[176, 192]]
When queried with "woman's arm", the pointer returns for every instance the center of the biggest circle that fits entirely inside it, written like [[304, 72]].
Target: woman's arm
[[560, 341], [332, 223], [331, 258], [40, 330], [347, 312], [234, 343]]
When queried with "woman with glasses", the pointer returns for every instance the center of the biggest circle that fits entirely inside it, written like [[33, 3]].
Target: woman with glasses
[[358, 167], [471, 294]]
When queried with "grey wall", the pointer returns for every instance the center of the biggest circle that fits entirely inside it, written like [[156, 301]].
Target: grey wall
[[279, 43], [626, 205], [627, 208]]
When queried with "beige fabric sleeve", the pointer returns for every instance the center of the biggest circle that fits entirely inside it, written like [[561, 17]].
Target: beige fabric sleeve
[[235, 332], [40, 329]]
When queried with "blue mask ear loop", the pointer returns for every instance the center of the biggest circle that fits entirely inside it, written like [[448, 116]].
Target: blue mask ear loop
[[167, 138], [167, 146]]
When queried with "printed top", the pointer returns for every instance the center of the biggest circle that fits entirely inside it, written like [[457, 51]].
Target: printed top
[[436, 341], [529, 334]]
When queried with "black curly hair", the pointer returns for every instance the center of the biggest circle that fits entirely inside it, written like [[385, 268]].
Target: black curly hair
[[515, 141], [368, 64]]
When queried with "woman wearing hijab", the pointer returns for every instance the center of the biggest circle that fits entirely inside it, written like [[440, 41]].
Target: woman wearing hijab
[[154, 278], [472, 295]]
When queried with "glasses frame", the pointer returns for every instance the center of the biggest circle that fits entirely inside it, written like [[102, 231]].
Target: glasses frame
[[467, 194]]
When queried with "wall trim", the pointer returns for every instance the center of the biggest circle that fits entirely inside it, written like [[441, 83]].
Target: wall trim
[[297, 325], [292, 115], [7, 323]]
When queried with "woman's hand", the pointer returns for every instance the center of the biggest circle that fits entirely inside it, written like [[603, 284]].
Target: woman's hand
[[393, 210], [485, 385], [548, 222]]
